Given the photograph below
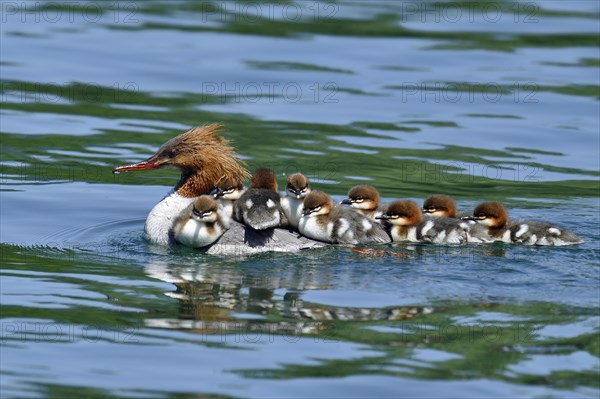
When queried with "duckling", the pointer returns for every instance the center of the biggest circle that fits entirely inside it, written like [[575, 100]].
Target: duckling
[[260, 206], [494, 217], [200, 224], [337, 224], [440, 205], [407, 225], [292, 202], [364, 198], [227, 192]]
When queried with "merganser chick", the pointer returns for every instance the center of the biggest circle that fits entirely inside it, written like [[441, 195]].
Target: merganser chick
[[365, 199], [407, 225], [260, 206], [226, 193], [494, 217], [200, 224], [292, 202], [439, 205], [337, 224], [204, 158]]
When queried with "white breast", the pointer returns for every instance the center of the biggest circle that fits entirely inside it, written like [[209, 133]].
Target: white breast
[[401, 233], [227, 206], [197, 235], [310, 228], [292, 207], [160, 219]]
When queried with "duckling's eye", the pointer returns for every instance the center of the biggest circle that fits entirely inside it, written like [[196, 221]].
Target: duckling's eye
[[394, 216], [359, 200], [480, 216], [304, 189], [228, 191], [317, 209], [430, 209], [205, 214], [196, 213]]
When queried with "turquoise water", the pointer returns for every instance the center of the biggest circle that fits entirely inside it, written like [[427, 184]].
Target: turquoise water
[[479, 100]]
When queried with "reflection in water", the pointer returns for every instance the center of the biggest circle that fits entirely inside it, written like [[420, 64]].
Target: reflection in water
[[215, 299]]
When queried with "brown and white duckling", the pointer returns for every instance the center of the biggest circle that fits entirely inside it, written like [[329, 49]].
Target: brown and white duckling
[[323, 221], [200, 224], [364, 198], [260, 206], [494, 217], [227, 192], [296, 190], [440, 205], [407, 224]]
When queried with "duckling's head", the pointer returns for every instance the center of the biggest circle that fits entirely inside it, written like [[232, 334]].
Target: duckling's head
[[363, 196], [228, 189], [264, 178], [439, 205], [402, 213], [297, 185], [316, 203], [205, 209], [490, 214]]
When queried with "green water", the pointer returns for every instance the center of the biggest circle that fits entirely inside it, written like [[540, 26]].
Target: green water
[[479, 100]]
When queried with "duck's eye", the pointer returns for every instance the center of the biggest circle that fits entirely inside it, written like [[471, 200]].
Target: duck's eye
[[206, 214], [317, 209], [304, 189], [173, 152], [196, 213], [394, 216], [430, 209], [228, 191], [359, 200], [480, 216]]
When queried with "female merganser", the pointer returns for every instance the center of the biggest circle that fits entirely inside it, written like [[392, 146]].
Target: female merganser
[[200, 224], [365, 199], [494, 217], [226, 193], [205, 158], [407, 225], [337, 224], [292, 202], [260, 206]]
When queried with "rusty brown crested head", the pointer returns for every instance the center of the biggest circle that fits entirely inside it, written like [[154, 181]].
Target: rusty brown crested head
[[363, 196], [491, 214], [203, 156], [297, 185], [439, 205], [402, 213], [264, 178]]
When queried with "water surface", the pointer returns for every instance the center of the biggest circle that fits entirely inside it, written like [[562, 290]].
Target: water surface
[[479, 100]]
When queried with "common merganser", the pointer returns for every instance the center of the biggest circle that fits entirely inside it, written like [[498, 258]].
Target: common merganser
[[200, 224], [494, 217], [226, 193], [292, 202], [260, 206], [365, 199], [205, 158], [407, 225], [337, 224]]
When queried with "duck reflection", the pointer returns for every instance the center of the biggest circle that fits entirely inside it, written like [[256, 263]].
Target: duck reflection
[[220, 298]]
